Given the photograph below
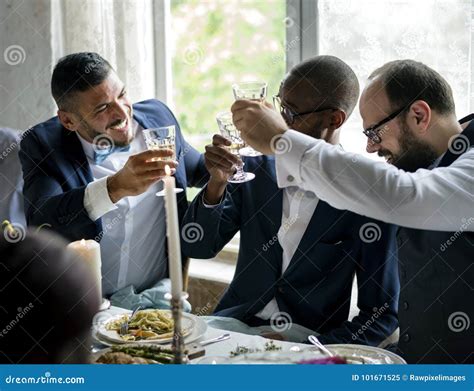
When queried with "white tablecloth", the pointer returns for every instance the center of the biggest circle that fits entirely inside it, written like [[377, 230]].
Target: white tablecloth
[[223, 348]]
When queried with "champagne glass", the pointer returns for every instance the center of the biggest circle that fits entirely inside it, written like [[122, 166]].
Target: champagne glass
[[161, 138], [230, 132], [251, 90]]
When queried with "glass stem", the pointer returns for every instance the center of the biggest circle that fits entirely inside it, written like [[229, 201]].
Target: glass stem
[[240, 168]]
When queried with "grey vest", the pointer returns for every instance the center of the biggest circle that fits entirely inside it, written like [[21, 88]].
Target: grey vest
[[436, 307]]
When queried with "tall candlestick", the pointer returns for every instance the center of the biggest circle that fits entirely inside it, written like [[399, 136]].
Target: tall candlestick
[[89, 251], [172, 233]]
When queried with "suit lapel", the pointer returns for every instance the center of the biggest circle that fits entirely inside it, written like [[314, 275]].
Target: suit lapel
[[323, 219], [273, 209], [75, 154]]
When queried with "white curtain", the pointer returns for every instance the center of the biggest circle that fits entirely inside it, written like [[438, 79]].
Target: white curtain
[[120, 31]]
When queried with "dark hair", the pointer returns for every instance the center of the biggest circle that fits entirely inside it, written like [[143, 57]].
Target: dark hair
[[77, 72], [333, 79], [47, 301], [406, 81]]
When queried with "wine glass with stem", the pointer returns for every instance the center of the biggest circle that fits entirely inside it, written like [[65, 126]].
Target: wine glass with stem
[[160, 138], [230, 132], [251, 90]]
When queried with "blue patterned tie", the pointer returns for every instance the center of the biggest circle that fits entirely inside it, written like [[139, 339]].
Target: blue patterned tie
[[101, 155]]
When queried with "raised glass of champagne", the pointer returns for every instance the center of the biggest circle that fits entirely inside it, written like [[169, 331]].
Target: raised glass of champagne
[[161, 138], [251, 90], [230, 132]]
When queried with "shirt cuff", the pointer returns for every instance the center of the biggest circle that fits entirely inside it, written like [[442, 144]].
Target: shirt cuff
[[289, 157], [97, 201], [203, 200]]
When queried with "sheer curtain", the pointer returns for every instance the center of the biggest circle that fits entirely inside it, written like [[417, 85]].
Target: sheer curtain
[[121, 31], [368, 33]]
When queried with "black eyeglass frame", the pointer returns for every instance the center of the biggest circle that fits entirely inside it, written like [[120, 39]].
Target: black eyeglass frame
[[373, 132], [289, 114]]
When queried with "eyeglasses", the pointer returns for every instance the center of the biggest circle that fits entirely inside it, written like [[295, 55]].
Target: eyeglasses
[[373, 132], [289, 115]]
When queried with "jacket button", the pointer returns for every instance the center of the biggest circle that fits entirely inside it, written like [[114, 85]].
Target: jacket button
[[405, 305], [406, 337], [290, 178], [281, 289]]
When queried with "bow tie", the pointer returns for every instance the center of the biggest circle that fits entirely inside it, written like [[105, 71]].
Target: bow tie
[[102, 154]]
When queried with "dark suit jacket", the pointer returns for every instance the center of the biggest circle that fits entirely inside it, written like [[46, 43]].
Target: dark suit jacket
[[56, 172], [315, 289]]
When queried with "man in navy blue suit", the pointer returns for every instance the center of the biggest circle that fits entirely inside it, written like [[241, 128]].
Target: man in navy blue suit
[[89, 175], [298, 255]]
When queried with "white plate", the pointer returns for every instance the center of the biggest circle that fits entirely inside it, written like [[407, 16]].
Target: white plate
[[196, 327], [354, 354], [362, 354]]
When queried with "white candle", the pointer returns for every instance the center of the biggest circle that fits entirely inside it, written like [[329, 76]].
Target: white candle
[[172, 233], [89, 251]]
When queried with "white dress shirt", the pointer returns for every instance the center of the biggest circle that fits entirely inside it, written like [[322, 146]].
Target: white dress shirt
[[133, 239], [440, 199], [298, 209]]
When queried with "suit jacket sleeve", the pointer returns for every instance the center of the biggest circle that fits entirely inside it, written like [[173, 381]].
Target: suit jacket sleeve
[[378, 289], [46, 202], [214, 227]]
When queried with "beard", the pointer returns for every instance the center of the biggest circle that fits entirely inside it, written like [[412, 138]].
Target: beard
[[414, 153], [92, 133]]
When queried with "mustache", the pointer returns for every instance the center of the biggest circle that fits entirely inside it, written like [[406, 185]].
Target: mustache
[[115, 123]]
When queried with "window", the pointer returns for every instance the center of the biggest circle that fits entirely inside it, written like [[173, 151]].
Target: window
[[216, 43], [368, 33]]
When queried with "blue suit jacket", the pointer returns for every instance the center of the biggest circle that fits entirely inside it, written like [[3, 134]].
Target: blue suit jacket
[[56, 172], [316, 287]]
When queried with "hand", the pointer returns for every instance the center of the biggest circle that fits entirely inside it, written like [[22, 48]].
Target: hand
[[139, 173], [260, 125], [220, 163]]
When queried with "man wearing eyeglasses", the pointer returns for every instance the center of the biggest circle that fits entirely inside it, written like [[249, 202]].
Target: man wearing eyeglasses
[[409, 116], [298, 255]]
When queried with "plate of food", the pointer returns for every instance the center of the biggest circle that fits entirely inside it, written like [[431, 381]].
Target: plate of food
[[134, 354], [139, 353], [342, 354], [362, 354], [148, 326]]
